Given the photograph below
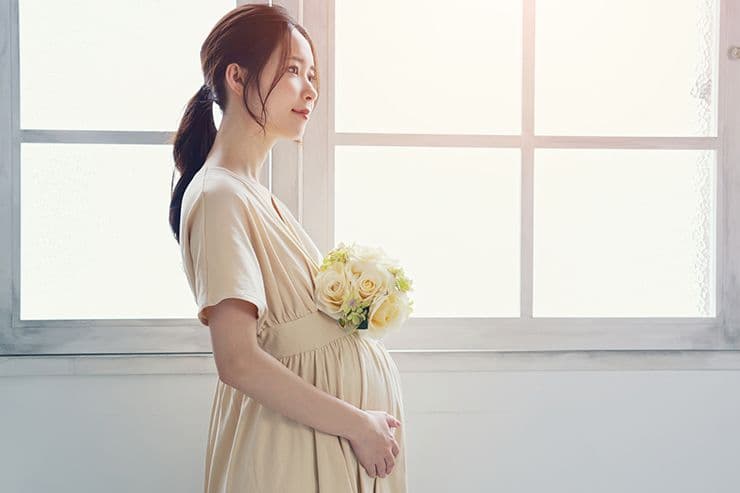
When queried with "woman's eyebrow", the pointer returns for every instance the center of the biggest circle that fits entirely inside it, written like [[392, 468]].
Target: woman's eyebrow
[[293, 57]]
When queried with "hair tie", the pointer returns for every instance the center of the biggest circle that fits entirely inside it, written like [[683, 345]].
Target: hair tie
[[205, 95]]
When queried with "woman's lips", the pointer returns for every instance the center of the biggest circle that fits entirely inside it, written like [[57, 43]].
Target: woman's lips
[[302, 115]]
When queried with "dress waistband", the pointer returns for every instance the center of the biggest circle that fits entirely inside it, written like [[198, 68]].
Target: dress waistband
[[303, 334]]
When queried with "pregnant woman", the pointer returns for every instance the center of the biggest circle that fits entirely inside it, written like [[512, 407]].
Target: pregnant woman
[[300, 406]]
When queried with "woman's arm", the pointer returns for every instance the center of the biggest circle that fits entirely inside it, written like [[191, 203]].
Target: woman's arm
[[244, 365]]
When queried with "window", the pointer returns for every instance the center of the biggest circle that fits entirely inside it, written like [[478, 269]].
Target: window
[[565, 164], [554, 176]]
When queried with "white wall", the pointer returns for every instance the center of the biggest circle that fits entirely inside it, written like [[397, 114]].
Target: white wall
[[508, 423]]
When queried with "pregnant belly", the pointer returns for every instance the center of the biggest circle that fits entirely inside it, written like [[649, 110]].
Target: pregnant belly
[[352, 368]]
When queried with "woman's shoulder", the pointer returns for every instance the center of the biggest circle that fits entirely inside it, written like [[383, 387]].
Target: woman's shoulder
[[211, 192], [211, 185]]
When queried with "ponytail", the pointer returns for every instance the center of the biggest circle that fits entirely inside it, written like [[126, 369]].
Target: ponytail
[[191, 145]]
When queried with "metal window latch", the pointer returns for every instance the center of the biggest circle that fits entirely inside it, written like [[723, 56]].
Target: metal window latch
[[734, 52]]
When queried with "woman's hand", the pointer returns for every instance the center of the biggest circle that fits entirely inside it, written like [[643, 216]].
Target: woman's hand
[[374, 444]]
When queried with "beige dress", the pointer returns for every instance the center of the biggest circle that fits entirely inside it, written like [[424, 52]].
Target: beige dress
[[239, 241]]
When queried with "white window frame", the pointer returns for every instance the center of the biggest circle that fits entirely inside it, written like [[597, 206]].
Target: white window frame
[[303, 176]]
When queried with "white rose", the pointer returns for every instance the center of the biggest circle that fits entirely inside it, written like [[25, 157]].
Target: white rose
[[369, 254]]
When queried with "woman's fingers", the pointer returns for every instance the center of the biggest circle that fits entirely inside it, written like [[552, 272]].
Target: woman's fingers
[[389, 463]]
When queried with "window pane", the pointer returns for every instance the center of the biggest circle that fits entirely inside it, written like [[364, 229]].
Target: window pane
[[626, 68], [91, 65], [423, 67], [624, 233], [95, 239], [449, 215]]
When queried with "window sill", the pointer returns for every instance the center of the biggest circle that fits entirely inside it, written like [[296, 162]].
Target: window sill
[[407, 362]]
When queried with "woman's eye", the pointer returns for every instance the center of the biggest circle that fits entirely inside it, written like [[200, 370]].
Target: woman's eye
[[312, 78]]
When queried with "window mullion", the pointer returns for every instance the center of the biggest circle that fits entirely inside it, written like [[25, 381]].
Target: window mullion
[[526, 255]]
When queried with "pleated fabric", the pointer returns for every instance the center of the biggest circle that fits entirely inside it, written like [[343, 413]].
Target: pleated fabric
[[239, 241]]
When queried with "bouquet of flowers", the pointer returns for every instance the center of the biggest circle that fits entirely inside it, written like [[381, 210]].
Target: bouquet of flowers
[[364, 290]]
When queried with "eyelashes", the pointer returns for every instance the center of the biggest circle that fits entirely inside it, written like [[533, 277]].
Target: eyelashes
[[311, 78]]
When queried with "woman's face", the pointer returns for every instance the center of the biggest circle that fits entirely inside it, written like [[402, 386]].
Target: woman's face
[[294, 91]]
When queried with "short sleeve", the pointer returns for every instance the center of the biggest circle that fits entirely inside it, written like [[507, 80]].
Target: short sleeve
[[225, 264]]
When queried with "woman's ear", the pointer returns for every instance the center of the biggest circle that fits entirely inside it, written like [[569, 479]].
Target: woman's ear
[[235, 78]]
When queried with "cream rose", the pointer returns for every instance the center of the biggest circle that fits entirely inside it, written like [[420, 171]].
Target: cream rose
[[369, 278], [388, 312], [332, 289]]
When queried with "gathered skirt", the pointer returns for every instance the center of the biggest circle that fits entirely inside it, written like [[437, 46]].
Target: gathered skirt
[[252, 449]]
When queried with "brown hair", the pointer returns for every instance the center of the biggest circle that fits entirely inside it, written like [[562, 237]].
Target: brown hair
[[247, 35]]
